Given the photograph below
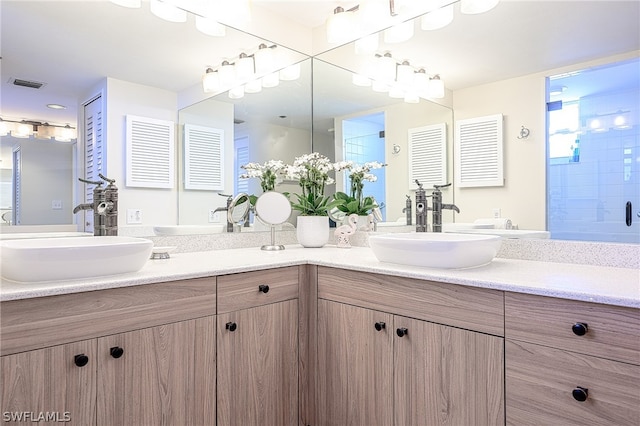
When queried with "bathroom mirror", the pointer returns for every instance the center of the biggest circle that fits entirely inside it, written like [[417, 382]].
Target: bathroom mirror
[[238, 211]]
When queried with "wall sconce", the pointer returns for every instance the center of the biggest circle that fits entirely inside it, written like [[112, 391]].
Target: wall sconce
[[264, 59], [210, 81], [27, 128], [436, 87], [340, 26]]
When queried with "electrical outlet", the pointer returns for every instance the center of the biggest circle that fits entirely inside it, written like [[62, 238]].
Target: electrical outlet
[[56, 204], [214, 216], [497, 213], [134, 216]]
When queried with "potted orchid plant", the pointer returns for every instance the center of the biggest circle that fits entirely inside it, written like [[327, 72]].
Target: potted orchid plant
[[356, 202], [267, 172]]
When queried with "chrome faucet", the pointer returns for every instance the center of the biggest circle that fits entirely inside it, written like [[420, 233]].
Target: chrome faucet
[[438, 206], [421, 208], [104, 206], [407, 210], [226, 210]]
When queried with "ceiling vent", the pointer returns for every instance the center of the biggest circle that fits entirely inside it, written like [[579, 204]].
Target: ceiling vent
[[27, 83]]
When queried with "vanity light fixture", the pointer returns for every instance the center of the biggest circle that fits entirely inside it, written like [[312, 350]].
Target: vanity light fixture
[[210, 81], [437, 19], [271, 80], [26, 128], [421, 80], [227, 73], [399, 33], [236, 92], [264, 59], [340, 26], [22, 130], [385, 69], [167, 11], [405, 74], [435, 89], [65, 134], [253, 86], [290, 73], [244, 67], [210, 27], [367, 45]]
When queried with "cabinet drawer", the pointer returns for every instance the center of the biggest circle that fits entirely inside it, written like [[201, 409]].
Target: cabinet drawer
[[471, 308], [242, 291], [613, 332], [540, 382]]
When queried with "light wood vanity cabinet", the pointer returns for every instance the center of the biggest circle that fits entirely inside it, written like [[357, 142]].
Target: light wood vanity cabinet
[[571, 362], [387, 353], [113, 357], [257, 345]]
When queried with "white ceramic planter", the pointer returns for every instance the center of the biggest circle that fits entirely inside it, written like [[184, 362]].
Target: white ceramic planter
[[312, 231]]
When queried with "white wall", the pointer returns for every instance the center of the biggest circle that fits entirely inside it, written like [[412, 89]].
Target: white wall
[[123, 98]]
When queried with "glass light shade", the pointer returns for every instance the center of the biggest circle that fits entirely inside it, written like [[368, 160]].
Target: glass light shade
[[167, 11], [210, 81], [472, 7], [65, 134], [405, 74], [396, 92], [292, 72], [46, 132], [372, 15], [244, 67], [264, 60], [227, 74], [367, 45], [421, 80], [210, 27], [360, 80], [134, 4], [271, 80], [411, 98], [437, 19], [340, 26], [379, 86], [253, 86], [399, 32], [5, 128], [385, 69], [22, 130], [236, 92], [435, 89]]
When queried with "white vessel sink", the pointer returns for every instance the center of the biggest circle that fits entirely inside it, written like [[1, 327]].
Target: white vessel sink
[[509, 233], [188, 229], [27, 235], [435, 250], [54, 259]]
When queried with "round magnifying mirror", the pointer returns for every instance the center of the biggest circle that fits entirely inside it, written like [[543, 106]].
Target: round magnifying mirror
[[238, 209], [273, 208]]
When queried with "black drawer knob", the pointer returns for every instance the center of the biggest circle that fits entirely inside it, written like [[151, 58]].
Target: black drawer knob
[[231, 326], [402, 332], [580, 394], [380, 325], [116, 351], [580, 328], [81, 360], [263, 288]]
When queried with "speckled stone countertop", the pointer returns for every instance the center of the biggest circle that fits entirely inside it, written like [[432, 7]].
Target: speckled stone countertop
[[600, 284]]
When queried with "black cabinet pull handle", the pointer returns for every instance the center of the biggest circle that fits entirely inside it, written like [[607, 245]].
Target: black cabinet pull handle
[[402, 332], [380, 325], [231, 326], [628, 213], [116, 351], [263, 288], [580, 328], [580, 394], [81, 360]]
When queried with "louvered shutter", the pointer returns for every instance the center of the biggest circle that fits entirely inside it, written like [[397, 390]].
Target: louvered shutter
[[150, 152], [242, 157], [17, 187], [203, 157], [479, 158], [94, 153], [428, 155]]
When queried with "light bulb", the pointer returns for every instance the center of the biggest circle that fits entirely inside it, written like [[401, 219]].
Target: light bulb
[[437, 19], [210, 27], [210, 81], [340, 26]]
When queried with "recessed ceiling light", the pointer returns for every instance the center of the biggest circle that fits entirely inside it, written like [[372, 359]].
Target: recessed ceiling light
[[56, 106]]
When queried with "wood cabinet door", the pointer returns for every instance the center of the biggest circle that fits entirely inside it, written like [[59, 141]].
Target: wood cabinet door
[[258, 365], [56, 384], [163, 375], [355, 365], [447, 376]]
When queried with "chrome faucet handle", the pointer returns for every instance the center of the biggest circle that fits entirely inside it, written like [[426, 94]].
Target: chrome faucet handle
[[437, 187], [97, 182], [106, 179]]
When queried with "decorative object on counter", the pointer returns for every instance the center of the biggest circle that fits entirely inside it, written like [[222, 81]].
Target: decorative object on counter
[[312, 231], [356, 202], [238, 212], [161, 252], [312, 173], [343, 232], [273, 208], [268, 173]]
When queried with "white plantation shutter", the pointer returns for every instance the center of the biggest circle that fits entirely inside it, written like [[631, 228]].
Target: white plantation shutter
[[94, 153], [479, 158], [428, 155], [150, 152], [204, 158]]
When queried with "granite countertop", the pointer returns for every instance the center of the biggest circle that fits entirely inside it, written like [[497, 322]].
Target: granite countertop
[[608, 285]]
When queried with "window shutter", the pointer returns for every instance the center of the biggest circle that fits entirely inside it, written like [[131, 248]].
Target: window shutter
[[150, 152], [479, 160], [428, 155], [94, 152], [204, 158]]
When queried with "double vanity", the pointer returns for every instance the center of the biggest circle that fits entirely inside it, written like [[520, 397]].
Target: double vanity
[[326, 336]]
